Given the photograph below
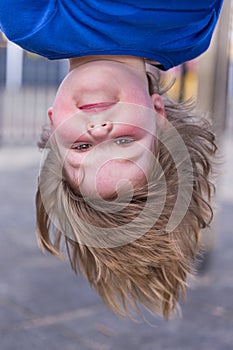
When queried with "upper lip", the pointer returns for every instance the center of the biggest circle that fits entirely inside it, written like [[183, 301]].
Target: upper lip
[[98, 106]]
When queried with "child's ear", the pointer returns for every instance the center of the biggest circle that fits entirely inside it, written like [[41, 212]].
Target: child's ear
[[159, 105], [50, 115]]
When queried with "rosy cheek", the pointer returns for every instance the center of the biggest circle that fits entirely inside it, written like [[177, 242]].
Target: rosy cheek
[[62, 115], [66, 135]]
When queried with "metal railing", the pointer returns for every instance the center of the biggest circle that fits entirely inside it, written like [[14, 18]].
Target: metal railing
[[24, 100]]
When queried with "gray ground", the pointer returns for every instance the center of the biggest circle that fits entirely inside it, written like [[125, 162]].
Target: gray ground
[[44, 306]]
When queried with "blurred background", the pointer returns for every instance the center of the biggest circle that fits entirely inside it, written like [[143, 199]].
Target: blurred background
[[43, 305]]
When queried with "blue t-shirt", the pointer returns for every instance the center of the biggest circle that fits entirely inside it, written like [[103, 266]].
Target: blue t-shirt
[[167, 31]]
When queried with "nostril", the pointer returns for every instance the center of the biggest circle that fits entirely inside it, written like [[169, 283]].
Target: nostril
[[107, 125]]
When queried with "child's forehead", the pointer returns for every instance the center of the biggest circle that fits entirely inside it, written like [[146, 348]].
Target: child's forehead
[[116, 175]]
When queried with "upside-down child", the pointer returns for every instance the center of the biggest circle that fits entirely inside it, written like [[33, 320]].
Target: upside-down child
[[125, 179]]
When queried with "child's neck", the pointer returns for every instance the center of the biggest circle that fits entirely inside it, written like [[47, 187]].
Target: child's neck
[[133, 61]]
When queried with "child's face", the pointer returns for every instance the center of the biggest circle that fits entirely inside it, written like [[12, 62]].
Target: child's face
[[104, 122]]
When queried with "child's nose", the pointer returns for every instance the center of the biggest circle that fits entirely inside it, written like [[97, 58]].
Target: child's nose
[[99, 130]]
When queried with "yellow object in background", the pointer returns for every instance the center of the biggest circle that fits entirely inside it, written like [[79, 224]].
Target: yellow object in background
[[186, 81]]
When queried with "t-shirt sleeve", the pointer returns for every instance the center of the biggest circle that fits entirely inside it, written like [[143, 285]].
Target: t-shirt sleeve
[[20, 18]]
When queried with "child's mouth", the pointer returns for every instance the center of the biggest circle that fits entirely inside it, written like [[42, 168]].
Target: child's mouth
[[100, 106]]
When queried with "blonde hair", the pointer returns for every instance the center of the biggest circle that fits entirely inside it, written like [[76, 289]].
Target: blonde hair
[[150, 270]]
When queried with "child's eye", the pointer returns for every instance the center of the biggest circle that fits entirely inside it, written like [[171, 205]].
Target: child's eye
[[82, 147], [123, 141]]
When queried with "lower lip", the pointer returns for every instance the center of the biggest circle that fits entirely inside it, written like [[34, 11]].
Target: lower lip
[[99, 105]]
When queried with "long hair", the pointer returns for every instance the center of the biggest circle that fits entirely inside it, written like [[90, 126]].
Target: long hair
[[149, 268]]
